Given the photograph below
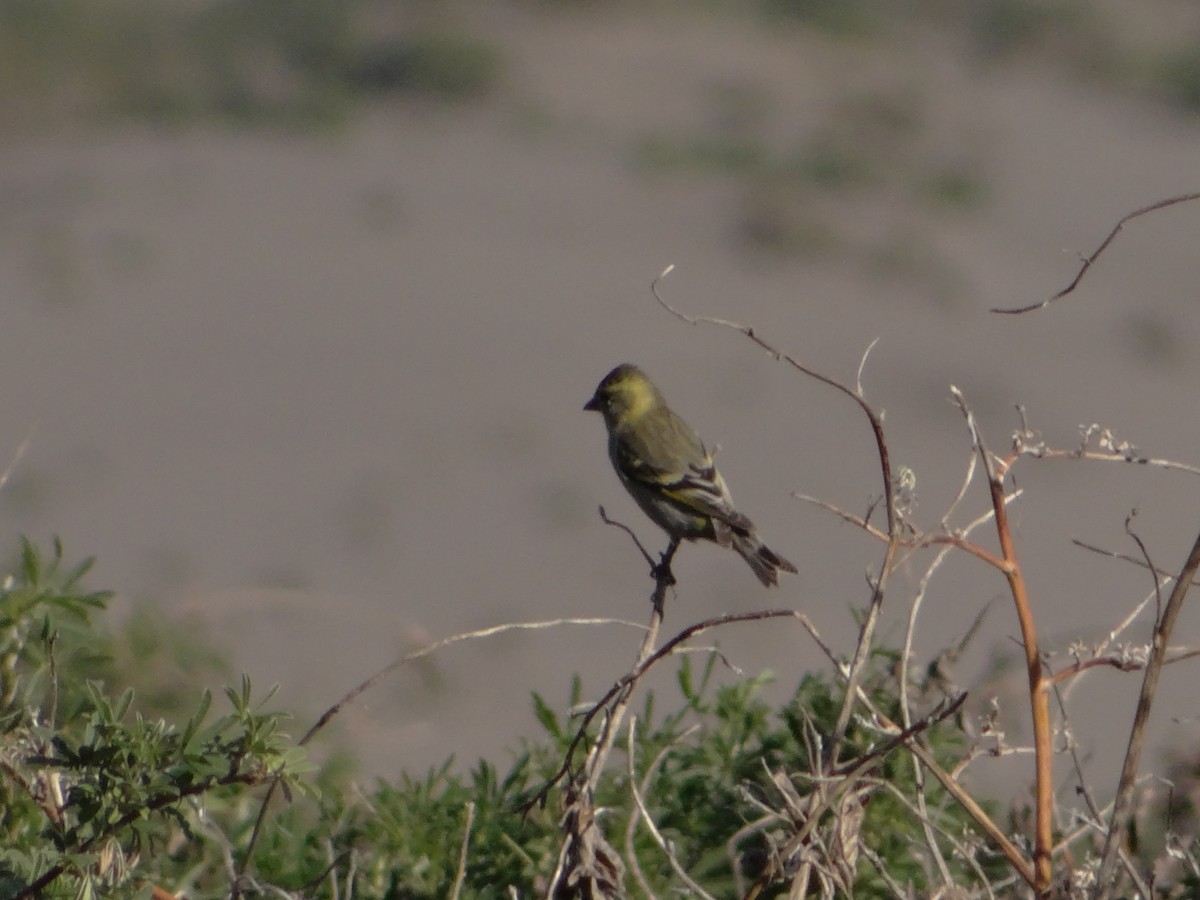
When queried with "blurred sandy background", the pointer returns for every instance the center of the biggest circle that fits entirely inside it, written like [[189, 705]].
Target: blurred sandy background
[[300, 311]]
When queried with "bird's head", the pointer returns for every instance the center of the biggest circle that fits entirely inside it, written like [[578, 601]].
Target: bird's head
[[624, 395]]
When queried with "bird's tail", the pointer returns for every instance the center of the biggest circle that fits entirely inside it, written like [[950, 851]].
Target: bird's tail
[[765, 562]]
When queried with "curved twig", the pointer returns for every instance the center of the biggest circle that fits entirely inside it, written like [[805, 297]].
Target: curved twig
[[862, 650], [1088, 260], [365, 685]]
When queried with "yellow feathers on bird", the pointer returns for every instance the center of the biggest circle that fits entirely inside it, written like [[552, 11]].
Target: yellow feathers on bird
[[666, 469]]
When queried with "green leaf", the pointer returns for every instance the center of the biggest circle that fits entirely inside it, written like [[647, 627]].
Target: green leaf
[[197, 717], [123, 705], [31, 564], [547, 718]]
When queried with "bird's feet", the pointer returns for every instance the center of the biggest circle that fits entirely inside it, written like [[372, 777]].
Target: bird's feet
[[662, 572]]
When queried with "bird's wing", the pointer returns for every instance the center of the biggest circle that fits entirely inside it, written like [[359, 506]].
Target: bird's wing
[[703, 489], [699, 487]]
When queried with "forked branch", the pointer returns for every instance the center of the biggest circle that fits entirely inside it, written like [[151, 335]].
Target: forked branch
[[1039, 698]]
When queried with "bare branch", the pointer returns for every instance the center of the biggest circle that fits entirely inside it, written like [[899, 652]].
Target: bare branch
[[629, 531], [586, 855], [1009, 850], [1123, 807], [645, 813], [1038, 691], [862, 650], [862, 364], [365, 685], [638, 794], [1088, 260], [920, 541], [968, 477], [1112, 554], [430, 649], [1094, 810], [852, 518], [1027, 443], [906, 712], [1133, 535], [624, 687]]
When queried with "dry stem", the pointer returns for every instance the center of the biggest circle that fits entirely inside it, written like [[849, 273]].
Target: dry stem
[[1123, 806], [1039, 699]]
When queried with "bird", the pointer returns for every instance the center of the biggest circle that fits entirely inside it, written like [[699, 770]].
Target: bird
[[665, 467]]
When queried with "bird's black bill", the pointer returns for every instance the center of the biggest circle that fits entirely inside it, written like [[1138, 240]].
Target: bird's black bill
[[592, 405]]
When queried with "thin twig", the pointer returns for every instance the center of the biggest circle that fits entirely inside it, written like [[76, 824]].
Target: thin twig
[[920, 541], [612, 723], [1123, 806], [1124, 557], [638, 793], [39, 797], [882, 869], [962, 851], [862, 650], [629, 531], [1110, 451], [461, 875], [906, 712], [430, 649], [1006, 847], [1133, 535], [843, 778], [1119, 629], [968, 477], [365, 685], [351, 873], [1083, 790], [628, 681], [645, 813], [862, 364], [330, 872], [632, 861], [852, 518], [1088, 260], [16, 458]]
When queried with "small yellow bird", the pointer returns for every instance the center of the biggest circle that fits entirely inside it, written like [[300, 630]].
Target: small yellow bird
[[664, 466]]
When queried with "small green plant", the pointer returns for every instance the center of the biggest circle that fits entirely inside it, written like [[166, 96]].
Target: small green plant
[[91, 785], [100, 798]]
